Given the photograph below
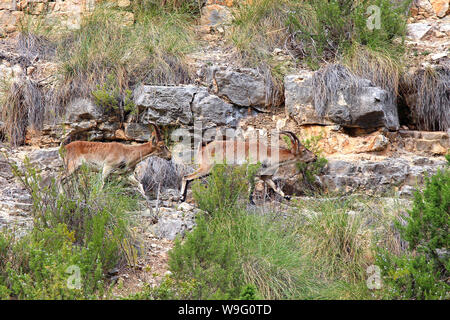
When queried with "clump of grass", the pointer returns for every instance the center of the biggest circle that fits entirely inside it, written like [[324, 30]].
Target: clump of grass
[[315, 32], [383, 67], [160, 175], [35, 46], [429, 101], [151, 49], [23, 106], [422, 272]]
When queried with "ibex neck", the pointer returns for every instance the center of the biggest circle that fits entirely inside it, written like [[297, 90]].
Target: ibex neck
[[144, 149]]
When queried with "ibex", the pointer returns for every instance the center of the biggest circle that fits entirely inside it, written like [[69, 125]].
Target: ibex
[[111, 156], [271, 159]]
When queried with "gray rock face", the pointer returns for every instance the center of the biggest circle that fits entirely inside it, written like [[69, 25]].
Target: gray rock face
[[165, 105], [378, 177], [213, 111], [366, 107], [184, 105], [169, 226], [243, 87], [82, 110]]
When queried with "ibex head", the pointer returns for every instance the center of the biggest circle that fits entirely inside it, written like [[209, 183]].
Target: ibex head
[[298, 149], [161, 149]]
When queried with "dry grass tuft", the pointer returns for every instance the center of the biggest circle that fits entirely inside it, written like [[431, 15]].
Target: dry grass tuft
[[429, 98], [329, 81], [23, 107]]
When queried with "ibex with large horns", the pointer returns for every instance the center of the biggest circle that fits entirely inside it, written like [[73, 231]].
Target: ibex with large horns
[[271, 158]]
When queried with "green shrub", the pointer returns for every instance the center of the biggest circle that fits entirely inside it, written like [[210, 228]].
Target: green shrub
[[309, 171], [230, 249], [83, 230], [423, 272], [209, 259], [111, 100], [337, 25], [227, 188]]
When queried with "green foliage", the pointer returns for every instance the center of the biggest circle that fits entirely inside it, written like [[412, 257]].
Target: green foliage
[[227, 187], [337, 242], [423, 272], [82, 229], [109, 97], [249, 292], [231, 251], [311, 170]]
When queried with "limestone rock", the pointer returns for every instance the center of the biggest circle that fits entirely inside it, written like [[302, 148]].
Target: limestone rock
[[82, 109], [183, 105], [243, 87], [369, 107], [440, 7], [215, 15], [417, 31]]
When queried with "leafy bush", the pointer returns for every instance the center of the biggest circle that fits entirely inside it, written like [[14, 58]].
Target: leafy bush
[[423, 272], [81, 232], [309, 171], [316, 31], [231, 250], [109, 97], [227, 188]]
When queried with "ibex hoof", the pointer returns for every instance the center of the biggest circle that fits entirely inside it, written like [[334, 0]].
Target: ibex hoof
[[287, 197]]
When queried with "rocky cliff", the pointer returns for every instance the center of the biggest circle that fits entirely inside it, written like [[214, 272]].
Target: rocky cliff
[[358, 125]]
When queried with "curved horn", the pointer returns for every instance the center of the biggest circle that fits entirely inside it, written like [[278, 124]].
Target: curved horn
[[158, 133], [294, 140]]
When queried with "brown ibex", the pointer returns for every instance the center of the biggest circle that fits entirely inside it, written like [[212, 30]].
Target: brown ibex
[[271, 159], [111, 156]]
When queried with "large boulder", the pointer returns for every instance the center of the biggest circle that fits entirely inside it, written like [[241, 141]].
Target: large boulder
[[243, 87], [364, 106], [183, 105], [165, 105]]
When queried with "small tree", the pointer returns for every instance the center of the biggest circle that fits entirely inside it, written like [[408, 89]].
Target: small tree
[[424, 272]]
